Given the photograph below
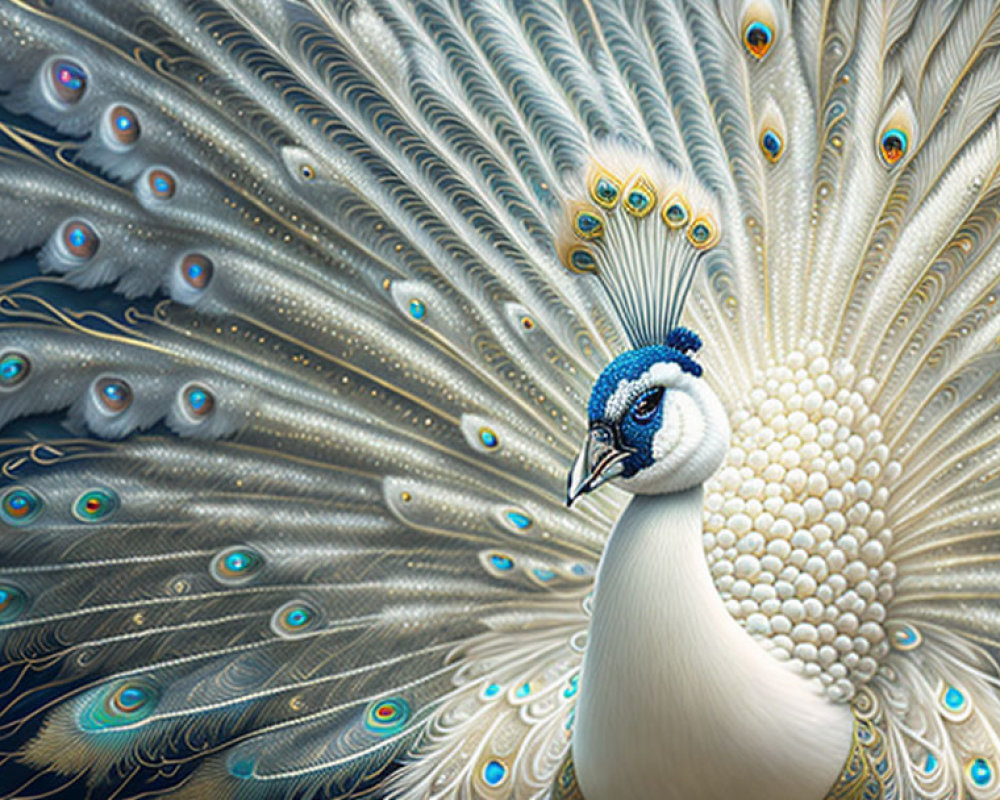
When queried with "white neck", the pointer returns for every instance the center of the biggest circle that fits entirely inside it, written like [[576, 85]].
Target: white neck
[[676, 699]]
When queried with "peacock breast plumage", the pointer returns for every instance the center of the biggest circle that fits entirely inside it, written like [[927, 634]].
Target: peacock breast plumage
[[309, 304]]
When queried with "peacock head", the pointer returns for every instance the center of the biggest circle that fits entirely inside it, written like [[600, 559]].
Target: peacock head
[[655, 426]]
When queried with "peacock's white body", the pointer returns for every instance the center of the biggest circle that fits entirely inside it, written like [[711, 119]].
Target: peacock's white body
[[324, 287]]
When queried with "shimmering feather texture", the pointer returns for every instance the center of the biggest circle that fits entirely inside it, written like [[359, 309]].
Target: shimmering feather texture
[[304, 535]]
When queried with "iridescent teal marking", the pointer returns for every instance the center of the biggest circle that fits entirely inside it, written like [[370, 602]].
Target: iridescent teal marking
[[676, 213], [388, 716], [502, 562], [523, 691], [492, 690], [583, 261], [579, 570], [771, 143], [588, 225], [520, 521], [417, 309], [242, 769], [494, 773], [20, 506], [930, 764], [574, 685], [125, 703], [14, 368], [639, 201], [544, 573], [700, 233], [488, 438], [906, 638], [95, 505], [953, 699], [606, 191], [12, 602]]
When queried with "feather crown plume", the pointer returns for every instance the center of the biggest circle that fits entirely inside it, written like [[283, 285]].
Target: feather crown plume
[[641, 226]]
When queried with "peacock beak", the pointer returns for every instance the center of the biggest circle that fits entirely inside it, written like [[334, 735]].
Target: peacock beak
[[601, 459]]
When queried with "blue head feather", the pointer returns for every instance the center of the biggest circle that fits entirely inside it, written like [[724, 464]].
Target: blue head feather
[[638, 434], [631, 365]]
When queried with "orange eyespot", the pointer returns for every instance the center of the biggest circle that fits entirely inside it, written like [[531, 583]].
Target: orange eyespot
[[892, 146], [758, 37]]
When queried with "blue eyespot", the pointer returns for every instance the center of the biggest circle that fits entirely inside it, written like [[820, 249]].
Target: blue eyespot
[[198, 402], [236, 565], [196, 270], [494, 773], [502, 562], [417, 309], [758, 38], [69, 81], [294, 619], [488, 438], [588, 225], [20, 506], [80, 240], [523, 691], [492, 690], [544, 574], [520, 521], [162, 184], [124, 125], [14, 368], [605, 192], [980, 772], [645, 408], [772, 144], [12, 602], [581, 260], [892, 146], [114, 395]]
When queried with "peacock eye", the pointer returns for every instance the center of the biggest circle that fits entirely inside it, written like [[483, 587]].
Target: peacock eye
[[645, 407]]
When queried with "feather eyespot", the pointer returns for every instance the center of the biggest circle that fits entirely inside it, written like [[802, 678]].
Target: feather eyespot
[[162, 185], [771, 144], [527, 323], [68, 81], [501, 562], [580, 259], [418, 310], [758, 37], [123, 125], [95, 505], [640, 196], [236, 565], [113, 394], [196, 270], [494, 772], [519, 520], [198, 402], [675, 212], [588, 225], [20, 506], [906, 638], [125, 703], [307, 171], [388, 716], [12, 602], [80, 240], [703, 232], [294, 619], [14, 369], [488, 438], [893, 144], [980, 772], [605, 189]]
